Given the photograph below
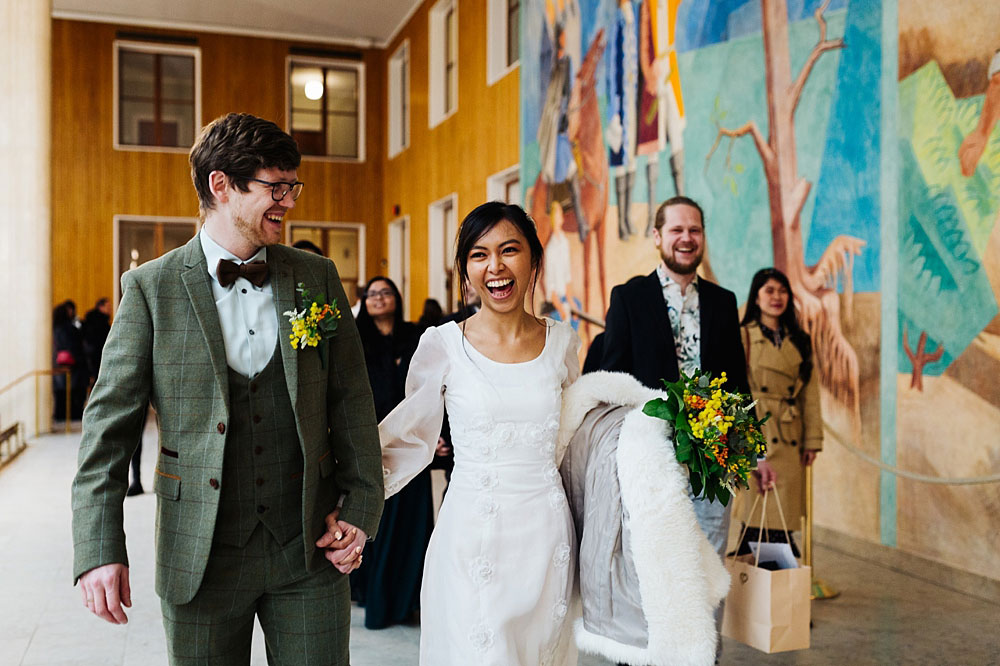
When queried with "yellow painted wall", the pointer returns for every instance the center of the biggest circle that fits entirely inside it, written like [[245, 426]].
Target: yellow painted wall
[[478, 140], [92, 182]]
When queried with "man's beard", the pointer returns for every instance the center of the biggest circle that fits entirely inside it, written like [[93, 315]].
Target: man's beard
[[679, 268], [252, 233]]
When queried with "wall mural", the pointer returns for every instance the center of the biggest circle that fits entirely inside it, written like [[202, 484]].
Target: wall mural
[[769, 114], [765, 112], [949, 276]]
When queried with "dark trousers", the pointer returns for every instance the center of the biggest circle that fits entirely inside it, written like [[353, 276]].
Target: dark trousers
[[306, 617]]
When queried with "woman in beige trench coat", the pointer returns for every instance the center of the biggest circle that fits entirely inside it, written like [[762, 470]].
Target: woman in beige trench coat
[[780, 369]]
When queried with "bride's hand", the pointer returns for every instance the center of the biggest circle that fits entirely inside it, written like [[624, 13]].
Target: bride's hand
[[343, 543], [443, 448]]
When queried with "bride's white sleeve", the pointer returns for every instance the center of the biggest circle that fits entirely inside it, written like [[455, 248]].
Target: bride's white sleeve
[[572, 359], [409, 433]]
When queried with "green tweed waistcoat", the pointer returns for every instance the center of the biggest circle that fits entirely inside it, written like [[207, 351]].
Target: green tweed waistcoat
[[262, 466]]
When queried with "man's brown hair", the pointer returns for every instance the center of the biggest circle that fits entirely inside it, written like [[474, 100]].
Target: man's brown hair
[[239, 144], [661, 212]]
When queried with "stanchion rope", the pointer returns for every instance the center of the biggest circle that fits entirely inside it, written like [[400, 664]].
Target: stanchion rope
[[914, 476]]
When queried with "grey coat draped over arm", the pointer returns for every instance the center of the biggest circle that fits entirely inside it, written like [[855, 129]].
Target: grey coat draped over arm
[[649, 579]]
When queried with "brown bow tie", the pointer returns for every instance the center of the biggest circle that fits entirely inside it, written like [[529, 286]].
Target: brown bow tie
[[228, 271]]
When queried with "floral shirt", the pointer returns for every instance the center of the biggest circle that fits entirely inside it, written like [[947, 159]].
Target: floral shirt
[[684, 311]]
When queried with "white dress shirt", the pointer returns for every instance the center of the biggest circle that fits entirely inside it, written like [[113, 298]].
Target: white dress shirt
[[246, 313], [684, 310]]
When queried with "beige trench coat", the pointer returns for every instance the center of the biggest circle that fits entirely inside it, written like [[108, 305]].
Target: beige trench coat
[[796, 423]]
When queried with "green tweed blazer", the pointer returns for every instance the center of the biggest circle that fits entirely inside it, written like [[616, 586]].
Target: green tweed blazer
[[166, 348]]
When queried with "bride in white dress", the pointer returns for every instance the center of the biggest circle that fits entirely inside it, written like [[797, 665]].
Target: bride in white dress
[[499, 568]]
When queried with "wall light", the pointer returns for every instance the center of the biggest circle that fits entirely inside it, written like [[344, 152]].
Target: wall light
[[314, 89]]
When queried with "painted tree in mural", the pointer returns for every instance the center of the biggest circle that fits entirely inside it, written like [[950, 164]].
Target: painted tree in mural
[[814, 287]]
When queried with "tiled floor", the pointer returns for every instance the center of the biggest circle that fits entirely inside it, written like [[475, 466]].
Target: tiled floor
[[882, 617]]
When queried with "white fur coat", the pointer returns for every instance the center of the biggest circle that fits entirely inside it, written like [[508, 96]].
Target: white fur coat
[[680, 577]]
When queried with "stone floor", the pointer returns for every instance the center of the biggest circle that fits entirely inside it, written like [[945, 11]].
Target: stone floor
[[882, 617]]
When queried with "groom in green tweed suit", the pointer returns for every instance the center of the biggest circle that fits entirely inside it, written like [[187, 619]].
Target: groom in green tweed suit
[[269, 476]]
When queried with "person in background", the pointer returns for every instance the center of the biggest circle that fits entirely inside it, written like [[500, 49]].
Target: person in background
[[673, 321], [780, 369], [308, 246], [431, 316], [68, 354], [96, 326], [388, 586]]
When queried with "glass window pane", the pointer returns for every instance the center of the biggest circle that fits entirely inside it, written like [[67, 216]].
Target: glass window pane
[[343, 248], [177, 78], [307, 121], [177, 234], [135, 74], [342, 137], [452, 88], [342, 88], [137, 123], [513, 31], [312, 234], [452, 27], [177, 124], [307, 89]]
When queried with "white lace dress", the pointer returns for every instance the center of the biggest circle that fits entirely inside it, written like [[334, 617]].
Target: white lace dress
[[499, 568]]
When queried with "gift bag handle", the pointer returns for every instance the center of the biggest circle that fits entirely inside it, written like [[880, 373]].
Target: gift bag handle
[[763, 512]]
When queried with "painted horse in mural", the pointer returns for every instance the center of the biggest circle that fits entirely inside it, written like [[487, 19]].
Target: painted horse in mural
[[590, 155]]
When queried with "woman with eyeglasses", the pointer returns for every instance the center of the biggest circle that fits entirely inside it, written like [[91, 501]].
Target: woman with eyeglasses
[[388, 585], [499, 569], [780, 369]]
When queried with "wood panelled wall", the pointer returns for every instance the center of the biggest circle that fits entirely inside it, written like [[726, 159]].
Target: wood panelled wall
[[458, 155], [92, 182]]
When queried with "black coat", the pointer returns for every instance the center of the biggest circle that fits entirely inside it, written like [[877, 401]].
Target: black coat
[[638, 338]]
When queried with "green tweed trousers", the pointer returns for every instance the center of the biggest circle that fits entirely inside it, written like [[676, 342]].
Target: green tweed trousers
[[306, 617]]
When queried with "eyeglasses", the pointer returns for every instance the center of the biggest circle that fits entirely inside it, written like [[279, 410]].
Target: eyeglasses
[[280, 189], [382, 293]]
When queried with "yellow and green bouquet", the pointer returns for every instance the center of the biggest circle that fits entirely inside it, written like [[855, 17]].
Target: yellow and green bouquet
[[716, 433]]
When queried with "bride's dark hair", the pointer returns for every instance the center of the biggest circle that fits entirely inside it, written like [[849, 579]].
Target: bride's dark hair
[[478, 223]]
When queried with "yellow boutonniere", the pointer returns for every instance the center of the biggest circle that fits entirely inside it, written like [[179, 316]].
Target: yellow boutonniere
[[314, 323]]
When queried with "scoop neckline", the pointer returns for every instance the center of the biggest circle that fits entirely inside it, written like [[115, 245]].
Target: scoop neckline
[[467, 342]]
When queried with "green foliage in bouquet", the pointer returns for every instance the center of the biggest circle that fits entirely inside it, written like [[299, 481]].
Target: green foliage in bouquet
[[715, 433]]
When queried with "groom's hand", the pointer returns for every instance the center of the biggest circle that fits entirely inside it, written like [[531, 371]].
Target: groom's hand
[[343, 543], [105, 590]]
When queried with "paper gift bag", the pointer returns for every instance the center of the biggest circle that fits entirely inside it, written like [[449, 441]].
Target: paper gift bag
[[768, 610]]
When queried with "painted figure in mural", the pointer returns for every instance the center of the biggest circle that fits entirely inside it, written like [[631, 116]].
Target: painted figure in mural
[[645, 107], [780, 371], [623, 75], [559, 168], [672, 320], [975, 143], [558, 274], [588, 147], [488, 596], [266, 439], [661, 106]]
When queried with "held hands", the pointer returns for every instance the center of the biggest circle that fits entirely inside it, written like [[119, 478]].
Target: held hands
[[764, 476], [442, 449], [105, 590], [343, 543]]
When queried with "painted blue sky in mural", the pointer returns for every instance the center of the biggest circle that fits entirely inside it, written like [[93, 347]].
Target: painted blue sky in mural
[[837, 125], [705, 22]]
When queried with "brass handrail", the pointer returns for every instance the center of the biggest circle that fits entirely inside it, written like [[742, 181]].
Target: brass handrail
[[590, 319], [42, 373]]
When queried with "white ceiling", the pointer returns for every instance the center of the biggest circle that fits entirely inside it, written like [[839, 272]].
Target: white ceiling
[[362, 23]]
